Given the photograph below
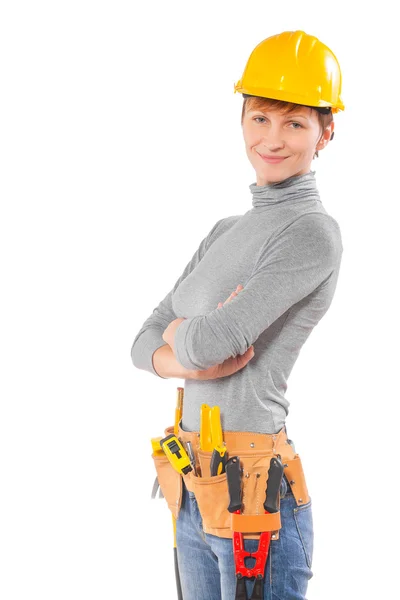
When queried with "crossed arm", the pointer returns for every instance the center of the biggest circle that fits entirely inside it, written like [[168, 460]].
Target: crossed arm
[[290, 267]]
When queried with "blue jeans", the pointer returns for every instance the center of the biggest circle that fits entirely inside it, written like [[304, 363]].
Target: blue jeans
[[206, 563]]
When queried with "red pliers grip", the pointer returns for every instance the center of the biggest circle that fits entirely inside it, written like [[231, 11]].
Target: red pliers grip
[[271, 504]]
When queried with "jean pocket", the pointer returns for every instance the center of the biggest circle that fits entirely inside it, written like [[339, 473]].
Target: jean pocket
[[304, 523]]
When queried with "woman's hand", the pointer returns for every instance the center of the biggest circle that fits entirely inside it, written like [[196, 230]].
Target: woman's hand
[[169, 333], [230, 365], [235, 293]]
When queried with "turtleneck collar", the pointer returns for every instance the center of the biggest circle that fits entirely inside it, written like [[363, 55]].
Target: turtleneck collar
[[294, 188]]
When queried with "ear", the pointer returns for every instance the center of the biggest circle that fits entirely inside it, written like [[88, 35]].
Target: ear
[[326, 136]]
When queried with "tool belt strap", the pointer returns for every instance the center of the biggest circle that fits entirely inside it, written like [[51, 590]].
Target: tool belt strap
[[256, 523]]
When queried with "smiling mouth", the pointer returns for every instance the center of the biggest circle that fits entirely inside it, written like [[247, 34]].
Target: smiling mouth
[[272, 159], [273, 156]]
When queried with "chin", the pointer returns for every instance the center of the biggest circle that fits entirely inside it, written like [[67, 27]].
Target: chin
[[273, 176]]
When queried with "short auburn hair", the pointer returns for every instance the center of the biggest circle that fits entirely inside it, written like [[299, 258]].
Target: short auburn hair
[[259, 103]]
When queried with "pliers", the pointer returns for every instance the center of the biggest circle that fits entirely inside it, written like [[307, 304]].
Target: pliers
[[271, 504], [211, 439]]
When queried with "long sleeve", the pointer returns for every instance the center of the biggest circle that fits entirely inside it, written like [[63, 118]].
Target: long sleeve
[[290, 266], [149, 338]]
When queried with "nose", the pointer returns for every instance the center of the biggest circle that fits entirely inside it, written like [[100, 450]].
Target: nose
[[271, 148], [272, 140]]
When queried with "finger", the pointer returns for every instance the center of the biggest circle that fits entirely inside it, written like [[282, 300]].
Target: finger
[[246, 357], [235, 293], [237, 363], [230, 297], [249, 351]]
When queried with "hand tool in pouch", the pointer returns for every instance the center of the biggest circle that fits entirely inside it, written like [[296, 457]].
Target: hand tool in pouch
[[176, 453], [271, 504], [205, 428], [180, 461], [172, 447], [176, 564], [156, 488], [219, 456], [178, 409], [191, 457], [178, 417]]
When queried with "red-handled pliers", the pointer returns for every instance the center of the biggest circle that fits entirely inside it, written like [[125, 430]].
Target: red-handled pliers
[[271, 504]]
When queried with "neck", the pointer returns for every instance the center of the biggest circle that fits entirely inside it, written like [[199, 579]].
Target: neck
[[296, 188]]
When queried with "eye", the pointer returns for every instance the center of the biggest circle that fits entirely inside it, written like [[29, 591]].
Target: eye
[[292, 122]]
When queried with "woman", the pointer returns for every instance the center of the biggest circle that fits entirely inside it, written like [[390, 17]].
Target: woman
[[277, 267]]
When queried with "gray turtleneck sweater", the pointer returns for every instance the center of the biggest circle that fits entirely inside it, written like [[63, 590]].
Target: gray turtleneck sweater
[[286, 252]]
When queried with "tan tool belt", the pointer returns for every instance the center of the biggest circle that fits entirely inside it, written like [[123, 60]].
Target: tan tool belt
[[255, 451]]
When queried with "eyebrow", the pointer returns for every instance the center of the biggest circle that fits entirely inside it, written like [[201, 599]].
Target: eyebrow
[[298, 115], [285, 115]]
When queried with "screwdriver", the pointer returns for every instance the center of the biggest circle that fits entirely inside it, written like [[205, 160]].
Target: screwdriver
[[191, 457]]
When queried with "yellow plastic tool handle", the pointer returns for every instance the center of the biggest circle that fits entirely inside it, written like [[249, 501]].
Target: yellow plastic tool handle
[[206, 442], [218, 462], [216, 429]]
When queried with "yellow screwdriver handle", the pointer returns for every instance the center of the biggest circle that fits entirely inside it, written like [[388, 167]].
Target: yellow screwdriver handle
[[205, 428]]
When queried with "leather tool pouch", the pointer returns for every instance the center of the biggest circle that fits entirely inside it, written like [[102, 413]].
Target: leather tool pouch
[[295, 475], [170, 481], [212, 495]]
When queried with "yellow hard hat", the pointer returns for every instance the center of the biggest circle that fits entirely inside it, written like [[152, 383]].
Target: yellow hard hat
[[295, 67]]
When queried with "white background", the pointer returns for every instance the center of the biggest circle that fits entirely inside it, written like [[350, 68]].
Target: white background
[[121, 146]]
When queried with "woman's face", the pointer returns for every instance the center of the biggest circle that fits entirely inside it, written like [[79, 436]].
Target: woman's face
[[295, 136]]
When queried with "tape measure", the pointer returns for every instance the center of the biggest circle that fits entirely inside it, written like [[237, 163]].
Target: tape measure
[[176, 454]]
